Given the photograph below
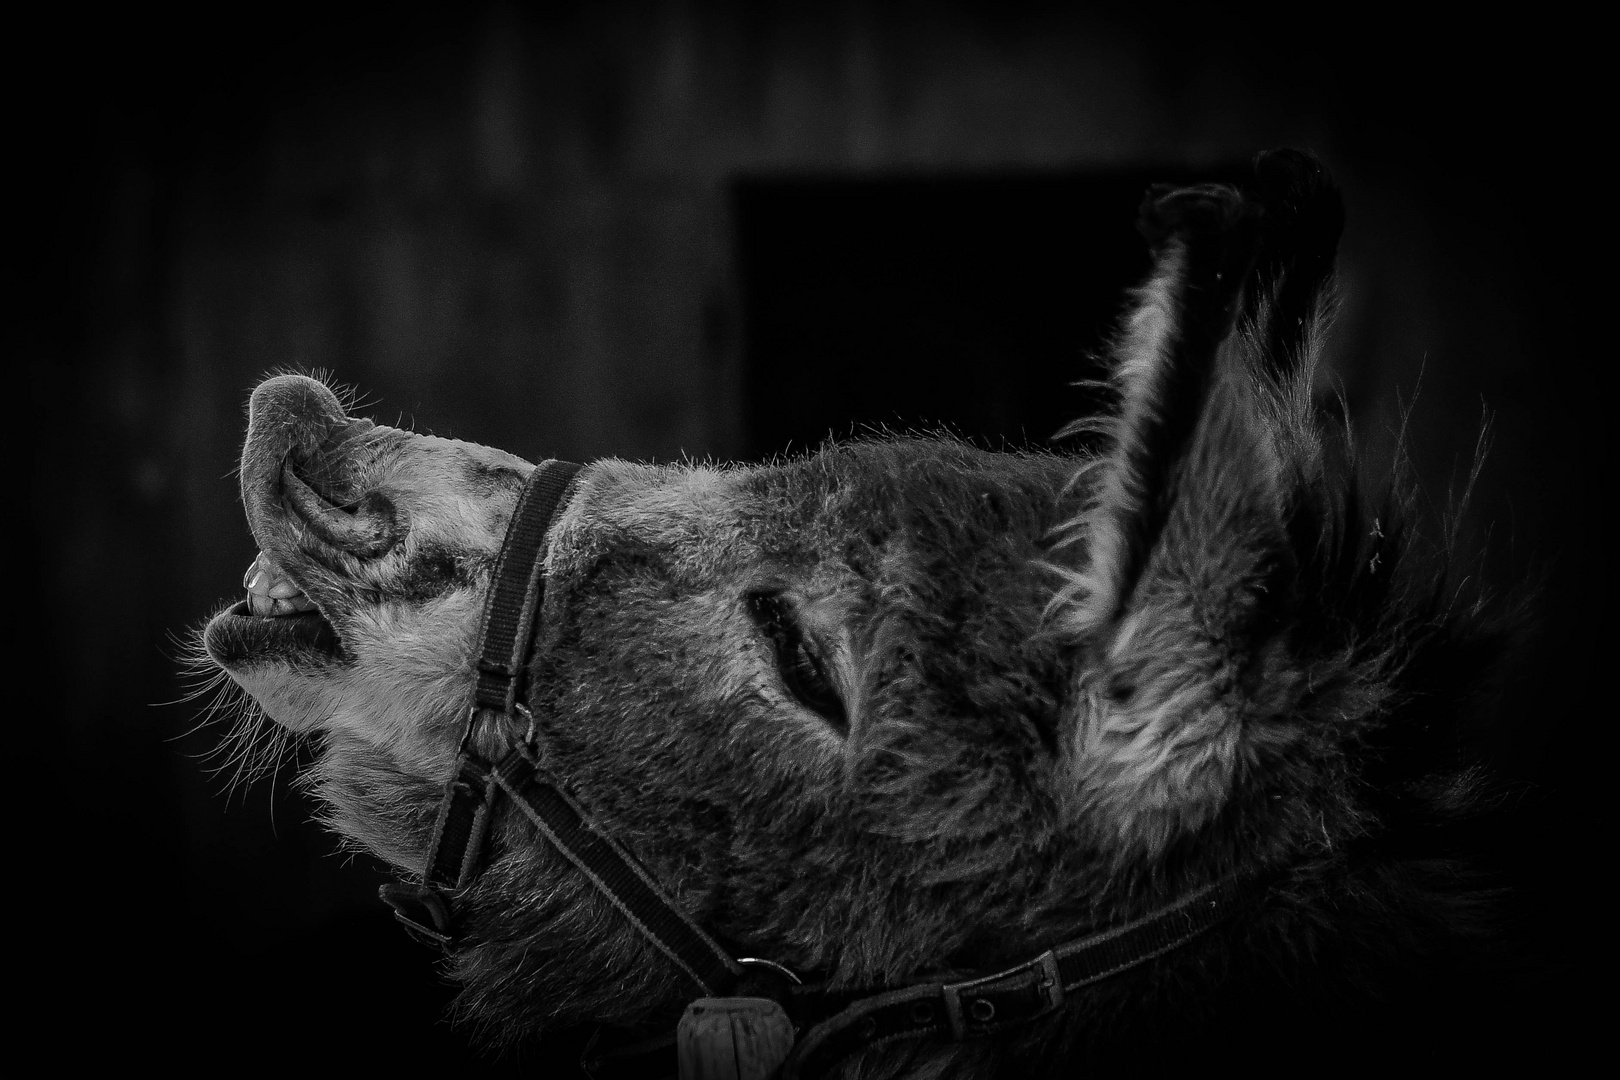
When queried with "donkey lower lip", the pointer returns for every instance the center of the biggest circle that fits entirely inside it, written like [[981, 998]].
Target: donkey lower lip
[[237, 638]]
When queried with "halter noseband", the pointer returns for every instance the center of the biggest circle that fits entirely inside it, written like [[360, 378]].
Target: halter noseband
[[828, 1024]]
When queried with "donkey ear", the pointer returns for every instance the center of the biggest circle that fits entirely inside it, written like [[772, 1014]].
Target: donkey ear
[[1168, 370], [1182, 551]]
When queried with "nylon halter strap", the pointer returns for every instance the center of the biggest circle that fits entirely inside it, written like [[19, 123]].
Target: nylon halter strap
[[989, 1004], [511, 615]]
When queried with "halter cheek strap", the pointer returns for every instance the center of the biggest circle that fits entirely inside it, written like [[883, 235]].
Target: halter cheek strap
[[506, 639], [511, 613], [517, 591]]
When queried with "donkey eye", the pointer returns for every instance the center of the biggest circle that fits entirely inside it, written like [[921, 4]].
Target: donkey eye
[[799, 661]]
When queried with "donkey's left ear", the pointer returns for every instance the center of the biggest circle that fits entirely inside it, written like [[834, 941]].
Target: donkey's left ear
[[1182, 554]]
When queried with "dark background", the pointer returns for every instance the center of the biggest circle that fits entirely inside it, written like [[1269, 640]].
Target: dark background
[[709, 230]]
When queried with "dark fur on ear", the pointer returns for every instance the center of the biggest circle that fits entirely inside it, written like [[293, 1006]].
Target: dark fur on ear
[[1301, 219]]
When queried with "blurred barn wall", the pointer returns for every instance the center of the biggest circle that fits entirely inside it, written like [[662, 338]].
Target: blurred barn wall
[[519, 229]]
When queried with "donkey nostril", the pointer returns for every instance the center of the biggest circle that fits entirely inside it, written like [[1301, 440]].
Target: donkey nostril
[[328, 468], [332, 448], [367, 527]]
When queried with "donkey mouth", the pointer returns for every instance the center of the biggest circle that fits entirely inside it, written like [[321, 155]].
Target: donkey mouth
[[275, 622], [315, 519]]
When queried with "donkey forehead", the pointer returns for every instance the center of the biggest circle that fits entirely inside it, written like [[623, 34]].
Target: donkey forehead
[[676, 508], [454, 466], [660, 503]]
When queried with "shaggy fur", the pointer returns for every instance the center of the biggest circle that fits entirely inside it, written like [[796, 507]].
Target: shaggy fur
[[1022, 696]]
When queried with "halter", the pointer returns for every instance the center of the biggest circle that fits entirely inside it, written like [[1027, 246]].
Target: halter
[[828, 1024], [511, 614]]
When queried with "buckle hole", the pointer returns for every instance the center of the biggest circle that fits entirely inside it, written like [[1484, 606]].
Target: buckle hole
[[982, 1010]]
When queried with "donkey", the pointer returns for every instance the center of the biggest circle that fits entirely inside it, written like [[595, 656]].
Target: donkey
[[917, 758]]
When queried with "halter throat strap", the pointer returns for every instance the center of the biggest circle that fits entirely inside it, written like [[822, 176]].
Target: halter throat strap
[[987, 1005]]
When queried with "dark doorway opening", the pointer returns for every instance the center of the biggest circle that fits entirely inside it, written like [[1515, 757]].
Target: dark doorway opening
[[968, 304]]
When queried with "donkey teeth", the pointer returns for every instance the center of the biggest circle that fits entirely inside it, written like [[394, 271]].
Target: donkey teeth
[[270, 608], [270, 592], [284, 589], [266, 579]]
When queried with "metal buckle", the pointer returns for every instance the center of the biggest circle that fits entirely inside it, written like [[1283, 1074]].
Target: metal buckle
[[980, 1014]]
